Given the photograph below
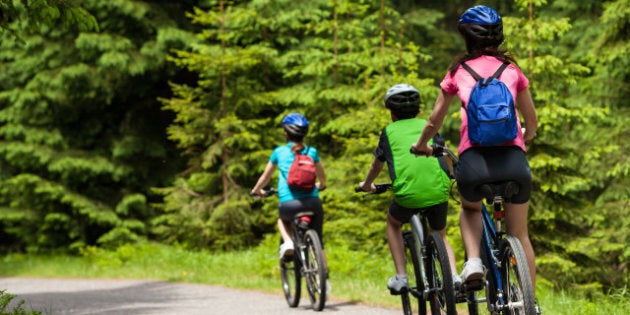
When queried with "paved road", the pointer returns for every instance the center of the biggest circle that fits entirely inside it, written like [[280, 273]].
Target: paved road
[[109, 297]]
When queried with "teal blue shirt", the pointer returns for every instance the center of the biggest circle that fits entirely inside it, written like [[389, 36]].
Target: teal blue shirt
[[283, 157]]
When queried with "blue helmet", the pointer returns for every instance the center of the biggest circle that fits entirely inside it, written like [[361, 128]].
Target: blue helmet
[[481, 26], [481, 14], [295, 124]]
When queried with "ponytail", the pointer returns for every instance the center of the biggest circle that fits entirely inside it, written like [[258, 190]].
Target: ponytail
[[297, 147]]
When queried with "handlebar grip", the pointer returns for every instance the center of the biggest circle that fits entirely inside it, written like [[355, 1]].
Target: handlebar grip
[[438, 150], [358, 189], [266, 192]]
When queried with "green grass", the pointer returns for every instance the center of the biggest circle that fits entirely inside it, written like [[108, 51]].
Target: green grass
[[354, 276]]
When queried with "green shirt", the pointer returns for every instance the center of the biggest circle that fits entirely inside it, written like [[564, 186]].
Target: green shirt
[[417, 182]]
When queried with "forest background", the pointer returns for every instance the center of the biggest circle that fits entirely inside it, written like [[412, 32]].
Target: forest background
[[129, 121]]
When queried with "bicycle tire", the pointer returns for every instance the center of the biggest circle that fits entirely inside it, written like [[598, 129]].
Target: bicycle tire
[[415, 284], [441, 292], [291, 280], [417, 231], [515, 278], [313, 270]]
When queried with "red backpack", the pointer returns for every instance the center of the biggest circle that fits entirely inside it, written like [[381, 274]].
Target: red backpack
[[302, 174]]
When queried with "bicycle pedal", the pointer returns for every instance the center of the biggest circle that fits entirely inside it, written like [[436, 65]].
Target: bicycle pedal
[[473, 285], [403, 290]]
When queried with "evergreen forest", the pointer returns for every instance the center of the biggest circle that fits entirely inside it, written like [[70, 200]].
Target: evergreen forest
[[125, 121]]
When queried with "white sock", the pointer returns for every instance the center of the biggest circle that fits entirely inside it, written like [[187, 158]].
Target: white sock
[[475, 259]]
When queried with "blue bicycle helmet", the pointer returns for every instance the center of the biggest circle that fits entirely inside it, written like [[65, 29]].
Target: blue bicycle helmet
[[295, 124], [481, 26]]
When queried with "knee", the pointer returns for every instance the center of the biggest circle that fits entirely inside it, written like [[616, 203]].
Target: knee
[[393, 223], [470, 208]]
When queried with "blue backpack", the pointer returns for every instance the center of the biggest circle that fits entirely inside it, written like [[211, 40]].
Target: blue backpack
[[491, 113]]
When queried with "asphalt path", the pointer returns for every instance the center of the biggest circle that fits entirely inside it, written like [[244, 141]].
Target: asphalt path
[[115, 296]]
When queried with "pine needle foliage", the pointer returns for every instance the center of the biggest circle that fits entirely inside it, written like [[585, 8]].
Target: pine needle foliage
[[80, 127]]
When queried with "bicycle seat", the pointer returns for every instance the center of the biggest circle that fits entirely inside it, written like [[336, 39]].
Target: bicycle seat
[[505, 190], [304, 213]]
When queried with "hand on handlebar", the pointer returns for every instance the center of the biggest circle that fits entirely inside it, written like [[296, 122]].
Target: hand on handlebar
[[367, 188], [262, 192], [420, 150], [320, 187], [258, 193]]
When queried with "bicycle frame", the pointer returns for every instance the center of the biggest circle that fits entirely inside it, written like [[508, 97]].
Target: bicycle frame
[[492, 236]]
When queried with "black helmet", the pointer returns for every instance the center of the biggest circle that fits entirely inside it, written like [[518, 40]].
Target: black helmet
[[402, 96], [482, 27], [295, 124]]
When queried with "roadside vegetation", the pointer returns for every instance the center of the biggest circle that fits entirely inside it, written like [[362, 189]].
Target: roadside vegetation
[[355, 276], [145, 122]]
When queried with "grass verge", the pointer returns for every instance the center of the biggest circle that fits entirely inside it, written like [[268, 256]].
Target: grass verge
[[355, 276]]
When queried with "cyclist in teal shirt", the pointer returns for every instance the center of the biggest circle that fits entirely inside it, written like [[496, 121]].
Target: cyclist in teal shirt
[[417, 184], [283, 157], [292, 201]]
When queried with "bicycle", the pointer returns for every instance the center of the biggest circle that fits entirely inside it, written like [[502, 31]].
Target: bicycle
[[431, 267], [508, 286], [509, 289], [307, 262]]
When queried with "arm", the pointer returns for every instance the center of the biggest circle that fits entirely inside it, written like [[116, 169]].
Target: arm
[[525, 105], [321, 175], [375, 169], [264, 179], [434, 123]]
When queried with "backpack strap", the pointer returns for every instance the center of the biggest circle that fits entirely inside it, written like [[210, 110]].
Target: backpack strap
[[472, 72], [499, 71], [479, 79]]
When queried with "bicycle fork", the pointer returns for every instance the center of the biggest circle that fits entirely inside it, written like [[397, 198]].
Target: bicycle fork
[[418, 233]]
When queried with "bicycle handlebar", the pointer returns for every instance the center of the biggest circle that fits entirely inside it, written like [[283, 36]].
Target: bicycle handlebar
[[267, 192], [438, 150], [380, 188]]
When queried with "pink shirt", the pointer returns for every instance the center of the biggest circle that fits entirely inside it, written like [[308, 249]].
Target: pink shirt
[[462, 83]]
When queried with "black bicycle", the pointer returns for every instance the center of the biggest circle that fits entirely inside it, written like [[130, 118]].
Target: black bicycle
[[508, 286], [431, 281], [307, 262]]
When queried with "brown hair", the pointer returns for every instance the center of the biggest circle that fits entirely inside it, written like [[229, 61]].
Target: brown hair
[[297, 147], [501, 54]]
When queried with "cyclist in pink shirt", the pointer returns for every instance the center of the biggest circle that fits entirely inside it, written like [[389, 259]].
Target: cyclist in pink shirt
[[482, 29]]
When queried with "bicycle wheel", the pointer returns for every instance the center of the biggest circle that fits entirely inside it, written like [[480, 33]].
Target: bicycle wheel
[[515, 278], [291, 279], [441, 291], [313, 269], [414, 278]]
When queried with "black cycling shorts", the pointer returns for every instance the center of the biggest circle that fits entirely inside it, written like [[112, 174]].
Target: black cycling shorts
[[436, 215], [287, 211], [481, 165]]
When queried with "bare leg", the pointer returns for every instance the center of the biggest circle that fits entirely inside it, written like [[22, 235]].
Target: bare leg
[[516, 225], [396, 244], [471, 227], [284, 233]]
